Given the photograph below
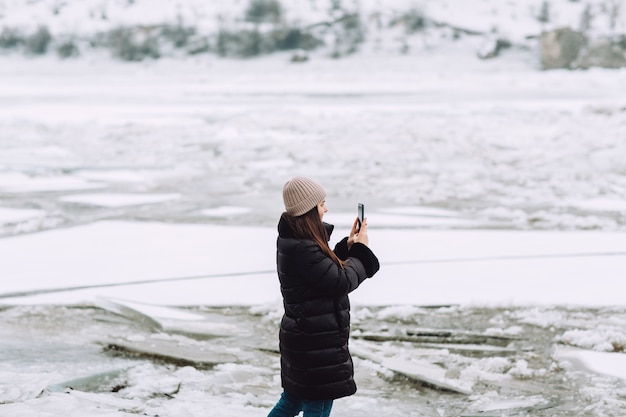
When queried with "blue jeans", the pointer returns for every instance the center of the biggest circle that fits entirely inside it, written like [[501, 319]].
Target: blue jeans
[[290, 406]]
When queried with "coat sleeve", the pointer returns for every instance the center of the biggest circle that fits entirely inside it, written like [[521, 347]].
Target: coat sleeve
[[359, 251], [323, 274], [341, 249], [366, 256]]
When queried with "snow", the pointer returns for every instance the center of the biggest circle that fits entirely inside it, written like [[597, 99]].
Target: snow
[[613, 364], [493, 403], [115, 175], [600, 204], [10, 215], [149, 193], [418, 267], [155, 311], [147, 251], [118, 200], [225, 211], [20, 183]]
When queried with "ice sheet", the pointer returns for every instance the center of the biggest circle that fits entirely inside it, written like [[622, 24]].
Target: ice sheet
[[192, 264], [11, 215], [118, 200], [607, 363], [225, 211], [20, 183]]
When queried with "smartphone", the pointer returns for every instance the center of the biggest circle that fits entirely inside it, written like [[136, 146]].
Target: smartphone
[[360, 214]]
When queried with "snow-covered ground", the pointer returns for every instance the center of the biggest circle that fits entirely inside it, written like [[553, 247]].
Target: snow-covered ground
[[138, 205], [498, 190]]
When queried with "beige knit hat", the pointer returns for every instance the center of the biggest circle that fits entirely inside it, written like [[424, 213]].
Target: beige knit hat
[[301, 194]]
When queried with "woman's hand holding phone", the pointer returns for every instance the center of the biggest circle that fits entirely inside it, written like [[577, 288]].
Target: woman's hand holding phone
[[359, 234]]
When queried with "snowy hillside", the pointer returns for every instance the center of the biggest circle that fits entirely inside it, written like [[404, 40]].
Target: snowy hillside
[[139, 29]]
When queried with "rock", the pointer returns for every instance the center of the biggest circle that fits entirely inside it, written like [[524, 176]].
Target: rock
[[492, 47], [605, 53], [560, 48], [299, 55]]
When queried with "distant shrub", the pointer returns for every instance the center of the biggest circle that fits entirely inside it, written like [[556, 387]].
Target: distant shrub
[[586, 19], [264, 11], [247, 43], [544, 12], [198, 45], [413, 21], [134, 44], [38, 42], [240, 43], [67, 49], [10, 38], [348, 33], [178, 35], [141, 42], [287, 39]]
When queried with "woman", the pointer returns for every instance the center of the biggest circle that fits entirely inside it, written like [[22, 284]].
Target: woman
[[316, 367]]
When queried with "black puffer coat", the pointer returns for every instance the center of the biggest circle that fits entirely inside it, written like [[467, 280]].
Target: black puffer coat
[[315, 361]]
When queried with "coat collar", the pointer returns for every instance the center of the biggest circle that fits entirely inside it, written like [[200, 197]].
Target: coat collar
[[329, 228], [284, 230]]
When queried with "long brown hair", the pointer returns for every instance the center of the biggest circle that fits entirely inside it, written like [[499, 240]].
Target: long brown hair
[[310, 226]]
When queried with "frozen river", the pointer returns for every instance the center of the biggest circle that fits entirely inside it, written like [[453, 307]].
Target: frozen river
[[497, 145], [137, 212]]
